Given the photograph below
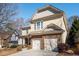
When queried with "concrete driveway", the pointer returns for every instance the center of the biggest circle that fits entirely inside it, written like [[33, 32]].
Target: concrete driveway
[[31, 52]]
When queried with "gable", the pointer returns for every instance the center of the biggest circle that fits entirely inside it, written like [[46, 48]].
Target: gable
[[49, 7], [14, 38], [54, 26], [16, 33], [46, 11], [42, 14]]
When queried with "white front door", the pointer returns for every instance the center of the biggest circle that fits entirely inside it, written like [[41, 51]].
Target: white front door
[[36, 44], [50, 44]]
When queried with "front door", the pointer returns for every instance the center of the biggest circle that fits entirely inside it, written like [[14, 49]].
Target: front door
[[36, 44]]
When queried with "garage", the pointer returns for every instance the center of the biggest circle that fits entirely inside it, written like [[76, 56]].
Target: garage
[[36, 44], [50, 43]]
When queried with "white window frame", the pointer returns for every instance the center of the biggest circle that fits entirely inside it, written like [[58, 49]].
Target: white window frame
[[41, 25]]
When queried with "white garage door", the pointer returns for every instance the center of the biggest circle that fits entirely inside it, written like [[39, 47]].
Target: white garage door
[[36, 44], [50, 44]]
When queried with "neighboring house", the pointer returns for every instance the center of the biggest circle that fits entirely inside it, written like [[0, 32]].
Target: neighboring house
[[8, 38], [24, 37], [48, 29], [25, 30], [14, 38]]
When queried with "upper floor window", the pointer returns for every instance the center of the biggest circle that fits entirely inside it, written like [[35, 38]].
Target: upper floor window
[[38, 25]]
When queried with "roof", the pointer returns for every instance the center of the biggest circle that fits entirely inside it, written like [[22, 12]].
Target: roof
[[54, 26], [51, 17], [47, 12], [7, 34], [51, 8], [15, 42], [25, 28], [45, 32]]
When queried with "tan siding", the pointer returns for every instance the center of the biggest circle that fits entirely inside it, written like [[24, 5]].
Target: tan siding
[[42, 14]]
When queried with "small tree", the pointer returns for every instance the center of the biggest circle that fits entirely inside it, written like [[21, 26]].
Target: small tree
[[73, 31], [77, 37]]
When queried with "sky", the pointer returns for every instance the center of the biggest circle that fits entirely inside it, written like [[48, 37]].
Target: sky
[[26, 10]]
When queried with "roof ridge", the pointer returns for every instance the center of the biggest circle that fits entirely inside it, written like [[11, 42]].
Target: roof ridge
[[51, 6]]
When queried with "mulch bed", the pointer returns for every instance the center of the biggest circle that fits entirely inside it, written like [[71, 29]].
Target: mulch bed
[[8, 51]]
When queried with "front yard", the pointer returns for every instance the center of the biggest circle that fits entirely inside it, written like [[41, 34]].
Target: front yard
[[8, 51], [19, 51]]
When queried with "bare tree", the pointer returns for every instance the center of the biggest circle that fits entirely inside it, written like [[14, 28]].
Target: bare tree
[[7, 11], [19, 23]]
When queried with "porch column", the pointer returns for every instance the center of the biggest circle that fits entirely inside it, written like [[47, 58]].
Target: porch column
[[22, 41], [60, 39], [0, 43], [28, 38], [28, 41], [42, 43]]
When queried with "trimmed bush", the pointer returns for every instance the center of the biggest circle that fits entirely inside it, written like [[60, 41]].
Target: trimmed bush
[[19, 48], [13, 46]]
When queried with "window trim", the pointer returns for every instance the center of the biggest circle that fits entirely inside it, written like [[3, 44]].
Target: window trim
[[40, 26]]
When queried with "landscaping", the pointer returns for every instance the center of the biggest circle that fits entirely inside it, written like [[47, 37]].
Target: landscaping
[[8, 51]]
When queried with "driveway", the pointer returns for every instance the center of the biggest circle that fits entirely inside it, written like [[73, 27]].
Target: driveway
[[31, 52]]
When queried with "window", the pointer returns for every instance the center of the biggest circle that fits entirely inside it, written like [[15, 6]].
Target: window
[[38, 25], [27, 31]]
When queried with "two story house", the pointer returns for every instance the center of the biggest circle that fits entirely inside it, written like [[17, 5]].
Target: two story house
[[48, 28]]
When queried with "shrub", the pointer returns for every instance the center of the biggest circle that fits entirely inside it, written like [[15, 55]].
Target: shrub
[[13, 46], [76, 52], [29, 47], [62, 47], [19, 48]]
